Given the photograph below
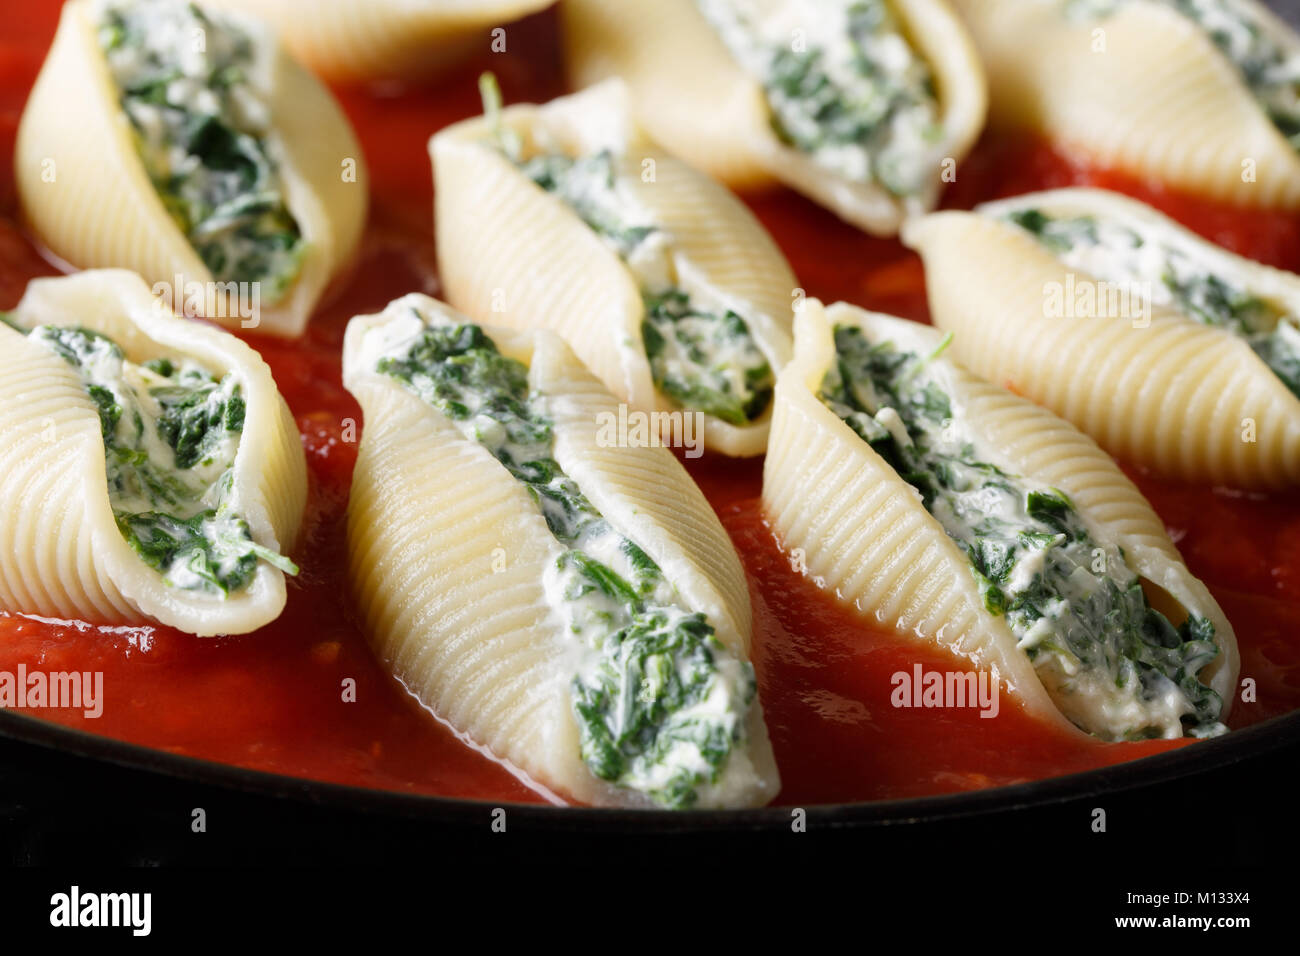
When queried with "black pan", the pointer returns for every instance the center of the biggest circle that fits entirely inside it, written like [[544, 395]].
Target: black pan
[[28, 740]]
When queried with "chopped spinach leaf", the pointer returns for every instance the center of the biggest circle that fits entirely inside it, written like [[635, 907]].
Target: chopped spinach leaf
[[170, 433], [705, 361], [646, 701], [856, 96], [207, 551], [1076, 608], [196, 416], [203, 139], [587, 185], [670, 662], [1173, 274]]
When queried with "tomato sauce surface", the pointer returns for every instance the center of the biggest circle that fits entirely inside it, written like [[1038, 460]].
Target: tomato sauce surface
[[276, 700]]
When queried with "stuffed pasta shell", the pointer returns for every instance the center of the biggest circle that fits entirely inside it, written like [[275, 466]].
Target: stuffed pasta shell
[[967, 517], [1167, 349], [864, 106], [566, 217], [359, 40], [220, 169], [576, 608], [150, 469], [1202, 95]]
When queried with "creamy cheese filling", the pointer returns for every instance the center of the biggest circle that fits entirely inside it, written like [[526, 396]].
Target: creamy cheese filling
[[171, 433], [660, 702], [843, 83], [701, 352], [1269, 66], [202, 129], [1167, 270], [1114, 666]]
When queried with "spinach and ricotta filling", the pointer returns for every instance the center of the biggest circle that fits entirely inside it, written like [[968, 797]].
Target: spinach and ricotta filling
[[1268, 65], [171, 432], [1113, 664], [702, 354], [1171, 273], [660, 702], [201, 130], [843, 83]]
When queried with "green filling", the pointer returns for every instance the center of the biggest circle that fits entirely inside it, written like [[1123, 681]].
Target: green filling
[[459, 371], [173, 516], [642, 705], [1113, 255], [670, 661], [1062, 608], [587, 185], [705, 360], [195, 412], [211, 551], [679, 336], [207, 158], [872, 116]]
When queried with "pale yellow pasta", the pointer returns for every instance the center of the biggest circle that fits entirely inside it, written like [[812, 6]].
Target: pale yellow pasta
[[699, 102], [61, 553], [359, 40], [448, 554], [863, 533], [512, 254], [1141, 89], [95, 206], [1152, 385]]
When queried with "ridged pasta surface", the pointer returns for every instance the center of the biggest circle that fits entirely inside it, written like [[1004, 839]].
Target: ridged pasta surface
[[687, 90], [358, 40], [460, 631], [864, 534], [646, 490], [447, 553], [61, 554], [721, 244], [1161, 390], [52, 439], [1143, 90], [511, 254], [1034, 442], [667, 53], [97, 207]]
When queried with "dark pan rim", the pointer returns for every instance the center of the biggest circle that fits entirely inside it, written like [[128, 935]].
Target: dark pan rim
[[1197, 758]]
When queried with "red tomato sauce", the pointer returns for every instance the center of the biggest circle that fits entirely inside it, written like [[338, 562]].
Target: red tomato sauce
[[274, 700]]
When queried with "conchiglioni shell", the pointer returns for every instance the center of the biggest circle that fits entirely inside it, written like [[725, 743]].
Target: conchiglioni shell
[[510, 254], [358, 40], [1158, 100], [687, 90], [695, 99], [61, 554], [1175, 395], [447, 553], [865, 535], [95, 207]]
